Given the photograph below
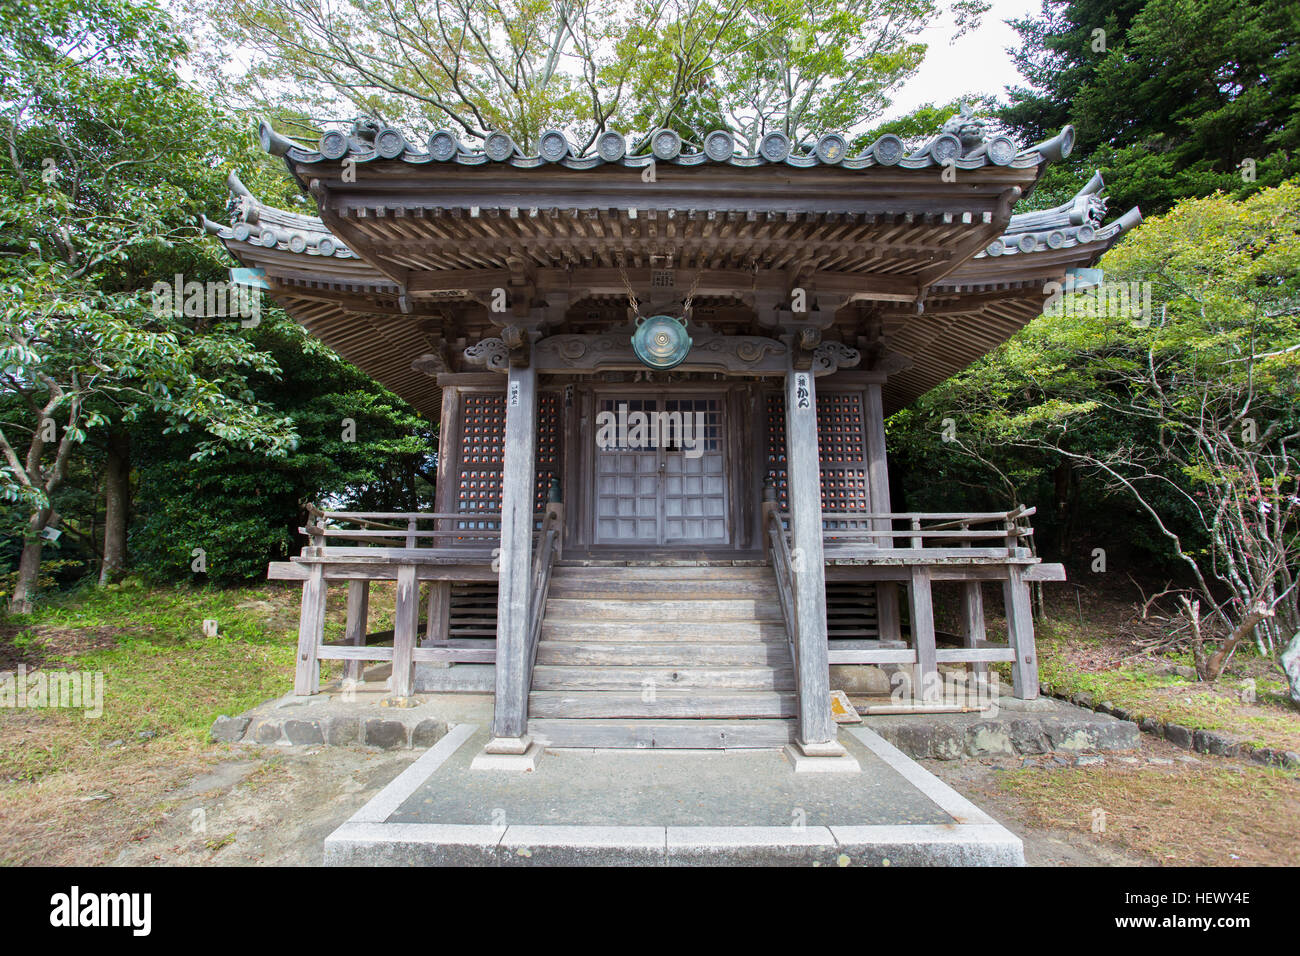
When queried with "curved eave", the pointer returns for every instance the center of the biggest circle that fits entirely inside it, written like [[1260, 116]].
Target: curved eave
[[272, 229], [981, 305], [1045, 249], [876, 156]]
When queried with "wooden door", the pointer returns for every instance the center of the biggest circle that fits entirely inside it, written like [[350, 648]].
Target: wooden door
[[665, 485]]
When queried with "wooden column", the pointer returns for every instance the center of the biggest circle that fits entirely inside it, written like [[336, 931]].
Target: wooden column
[[887, 618], [358, 620], [972, 621], [1020, 633], [438, 614], [311, 627], [406, 625], [816, 727], [510, 717], [925, 674]]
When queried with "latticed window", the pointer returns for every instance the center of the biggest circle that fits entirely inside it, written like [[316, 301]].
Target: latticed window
[[483, 435], [841, 439]]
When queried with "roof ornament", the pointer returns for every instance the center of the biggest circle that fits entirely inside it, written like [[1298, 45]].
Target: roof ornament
[[334, 144], [242, 207], [967, 127]]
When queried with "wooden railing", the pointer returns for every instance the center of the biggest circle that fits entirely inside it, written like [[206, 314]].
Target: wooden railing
[[784, 566], [983, 534], [911, 550], [548, 546], [400, 530]]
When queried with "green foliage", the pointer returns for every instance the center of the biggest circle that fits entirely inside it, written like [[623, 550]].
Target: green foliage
[[803, 66], [108, 161], [1194, 409], [1187, 97], [244, 510]]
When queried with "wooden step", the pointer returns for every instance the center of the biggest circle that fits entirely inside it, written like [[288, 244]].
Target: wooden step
[[650, 590], [629, 653], [696, 612], [558, 677], [655, 573], [662, 704], [663, 734], [651, 630]]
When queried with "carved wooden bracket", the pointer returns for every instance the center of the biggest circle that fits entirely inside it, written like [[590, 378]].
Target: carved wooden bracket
[[492, 354], [738, 354], [830, 357]]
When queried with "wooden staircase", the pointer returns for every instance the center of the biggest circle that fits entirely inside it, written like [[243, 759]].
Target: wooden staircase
[[654, 657]]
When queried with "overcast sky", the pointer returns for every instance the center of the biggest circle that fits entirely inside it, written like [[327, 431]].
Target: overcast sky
[[976, 63]]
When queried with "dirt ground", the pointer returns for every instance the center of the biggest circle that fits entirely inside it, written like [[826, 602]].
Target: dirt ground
[[273, 808], [243, 805]]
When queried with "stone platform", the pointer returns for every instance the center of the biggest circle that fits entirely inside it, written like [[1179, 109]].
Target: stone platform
[[1011, 727], [669, 808], [365, 717]]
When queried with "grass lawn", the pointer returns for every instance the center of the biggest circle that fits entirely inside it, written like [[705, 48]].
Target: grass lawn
[[66, 780], [1213, 813], [1100, 656]]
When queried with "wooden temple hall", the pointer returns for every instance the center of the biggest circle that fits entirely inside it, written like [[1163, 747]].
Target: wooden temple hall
[[663, 506]]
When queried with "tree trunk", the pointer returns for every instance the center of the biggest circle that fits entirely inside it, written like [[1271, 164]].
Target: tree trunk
[[29, 565], [1291, 666], [1245, 627], [117, 504]]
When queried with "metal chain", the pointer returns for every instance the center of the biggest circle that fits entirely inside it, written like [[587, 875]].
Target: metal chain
[[690, 296], [631, 296], [635, 304]]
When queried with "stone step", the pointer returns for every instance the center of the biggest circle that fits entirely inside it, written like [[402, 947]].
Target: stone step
[[697, 612], [629, 653], [653, 631], [556, 677], [663, 734], [662, 704]]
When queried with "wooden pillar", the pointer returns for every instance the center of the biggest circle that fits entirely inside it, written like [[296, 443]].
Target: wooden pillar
[[438, 613], [358, 621], [510, 716], [925, 674], [1020, 633], [887, 618], [406, 624], [816, 727], [972, 623], [311, 628]]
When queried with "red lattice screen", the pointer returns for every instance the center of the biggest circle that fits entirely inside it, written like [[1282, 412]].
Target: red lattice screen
[[483, 431], [841, 440]]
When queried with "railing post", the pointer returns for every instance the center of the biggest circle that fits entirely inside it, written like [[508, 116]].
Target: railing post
[[311, 627], [926, 672], [1020, 633], [406, 622], [510, 713], [887, 616], [816, 733], [358, 619]]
